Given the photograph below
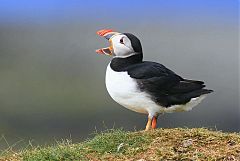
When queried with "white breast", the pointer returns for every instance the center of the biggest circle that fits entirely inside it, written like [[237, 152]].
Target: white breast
[[123, 89]]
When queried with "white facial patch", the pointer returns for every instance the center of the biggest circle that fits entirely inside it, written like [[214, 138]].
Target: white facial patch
[[122, 48]]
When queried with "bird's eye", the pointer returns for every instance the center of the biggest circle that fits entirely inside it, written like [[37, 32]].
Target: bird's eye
[[121, 40]]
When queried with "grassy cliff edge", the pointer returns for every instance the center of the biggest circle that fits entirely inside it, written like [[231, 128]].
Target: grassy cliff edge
[[159, 144]]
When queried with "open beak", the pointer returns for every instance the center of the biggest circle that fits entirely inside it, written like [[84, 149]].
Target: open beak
[[108, 34]]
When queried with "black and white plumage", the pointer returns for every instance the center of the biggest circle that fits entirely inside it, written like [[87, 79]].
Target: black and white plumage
[[143, 86]]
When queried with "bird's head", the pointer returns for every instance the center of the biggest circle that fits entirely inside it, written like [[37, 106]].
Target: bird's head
[[121, 44]]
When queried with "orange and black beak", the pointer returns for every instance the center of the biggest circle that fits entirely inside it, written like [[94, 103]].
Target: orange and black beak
[[108, 34]]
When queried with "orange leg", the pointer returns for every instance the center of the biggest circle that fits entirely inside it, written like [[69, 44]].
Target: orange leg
[[148, 126], [154, 122]]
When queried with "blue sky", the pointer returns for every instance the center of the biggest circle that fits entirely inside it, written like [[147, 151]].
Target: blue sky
[[45, 10]]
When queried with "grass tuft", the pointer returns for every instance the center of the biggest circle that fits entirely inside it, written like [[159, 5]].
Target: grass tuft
[[118, 142], [159, 144]]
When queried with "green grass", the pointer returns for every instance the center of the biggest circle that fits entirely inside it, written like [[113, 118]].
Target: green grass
[[160, 144]]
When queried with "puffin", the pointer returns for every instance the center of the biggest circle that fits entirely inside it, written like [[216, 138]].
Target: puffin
[[144, 86]]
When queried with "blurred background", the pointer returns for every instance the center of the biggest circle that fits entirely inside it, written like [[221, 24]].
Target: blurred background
[[52, 82]]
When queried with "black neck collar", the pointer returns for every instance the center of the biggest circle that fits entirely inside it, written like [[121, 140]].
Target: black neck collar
[[120, 64]]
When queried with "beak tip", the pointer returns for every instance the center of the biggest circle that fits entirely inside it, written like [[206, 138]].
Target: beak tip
[[103, 32], [100, 51]]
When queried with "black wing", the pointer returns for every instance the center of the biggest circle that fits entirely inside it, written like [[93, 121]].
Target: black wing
[[165, 87]]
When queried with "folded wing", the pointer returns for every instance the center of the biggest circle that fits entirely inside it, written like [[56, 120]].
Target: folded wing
[[165, 87]]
